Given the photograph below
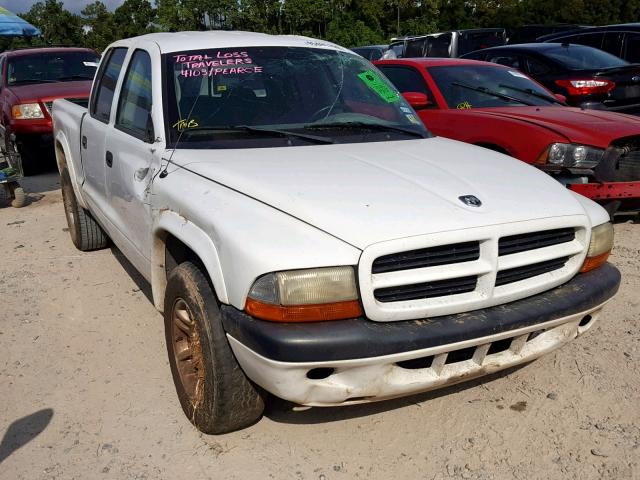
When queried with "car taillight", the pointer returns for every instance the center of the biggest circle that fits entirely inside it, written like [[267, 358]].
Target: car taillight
[[586, 86]]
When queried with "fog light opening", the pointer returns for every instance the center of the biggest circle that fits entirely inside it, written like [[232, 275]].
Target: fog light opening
[[585, 321], [320, 373]]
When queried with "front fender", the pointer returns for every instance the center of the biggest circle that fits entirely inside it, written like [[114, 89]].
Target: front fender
[[169, 222]]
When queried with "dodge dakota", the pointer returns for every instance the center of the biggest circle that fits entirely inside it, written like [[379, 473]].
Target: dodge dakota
[[304, 235]]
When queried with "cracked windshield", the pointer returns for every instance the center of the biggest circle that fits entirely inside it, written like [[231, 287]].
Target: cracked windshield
[[281, 96]]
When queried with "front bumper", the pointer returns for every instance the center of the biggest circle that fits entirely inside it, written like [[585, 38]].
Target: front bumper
[[357, 360], [607, 190]]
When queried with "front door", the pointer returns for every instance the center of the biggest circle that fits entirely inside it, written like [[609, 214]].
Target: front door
[[132, 159]]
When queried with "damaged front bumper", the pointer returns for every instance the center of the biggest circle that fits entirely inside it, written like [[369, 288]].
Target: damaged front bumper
[[357, 360]]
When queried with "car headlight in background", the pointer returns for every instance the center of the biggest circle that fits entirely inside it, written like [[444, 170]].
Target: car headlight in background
[[27, 111], [571, 155], [309, 295], [600, 246]]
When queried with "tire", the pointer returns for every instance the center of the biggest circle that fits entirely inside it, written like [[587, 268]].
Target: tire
[[85, 232], [5, 195], [214, 392], [612, 207], [19, 198]]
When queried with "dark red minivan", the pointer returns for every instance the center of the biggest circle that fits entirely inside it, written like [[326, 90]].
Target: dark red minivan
[[30, 80]]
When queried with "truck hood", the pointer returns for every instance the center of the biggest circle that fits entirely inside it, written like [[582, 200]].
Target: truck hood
[[51, 91], [588, 127], [364, 193]]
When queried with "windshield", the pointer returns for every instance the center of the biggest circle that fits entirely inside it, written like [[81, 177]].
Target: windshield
[[294, 94], [51, 67], [482, 86], [579, 57]]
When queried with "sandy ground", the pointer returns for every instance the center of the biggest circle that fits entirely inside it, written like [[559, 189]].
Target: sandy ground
[[86, 391]]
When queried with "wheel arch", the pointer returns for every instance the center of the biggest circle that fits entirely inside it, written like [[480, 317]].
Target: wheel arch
[[175, 240]]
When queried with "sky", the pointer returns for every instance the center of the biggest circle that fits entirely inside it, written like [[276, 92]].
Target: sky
[[21, 6]]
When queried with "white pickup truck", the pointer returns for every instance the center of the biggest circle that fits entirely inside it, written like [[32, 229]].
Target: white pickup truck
[[305, 235]]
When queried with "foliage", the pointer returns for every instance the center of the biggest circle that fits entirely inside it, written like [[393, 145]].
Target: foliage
[[348, 22]]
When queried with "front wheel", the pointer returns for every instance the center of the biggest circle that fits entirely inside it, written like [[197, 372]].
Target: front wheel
[[213, 390]]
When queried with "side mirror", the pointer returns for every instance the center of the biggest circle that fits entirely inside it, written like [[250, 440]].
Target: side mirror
[[416, 99], [560, 97]]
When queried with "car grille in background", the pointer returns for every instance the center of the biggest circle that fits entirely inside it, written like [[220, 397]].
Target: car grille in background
[[529, 241], [628, 166], [440, 288], [49, 105], [522, 273], [427, 257]]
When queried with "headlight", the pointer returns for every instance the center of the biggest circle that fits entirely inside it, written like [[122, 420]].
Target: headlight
[[570, 155], [305, 295], [600, 246], [27, 111]]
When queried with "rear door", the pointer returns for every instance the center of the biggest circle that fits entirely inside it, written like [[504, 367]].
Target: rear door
[[95, 127], [132, 158]]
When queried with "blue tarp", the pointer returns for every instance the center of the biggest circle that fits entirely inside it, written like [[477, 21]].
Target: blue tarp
[[12, 25]]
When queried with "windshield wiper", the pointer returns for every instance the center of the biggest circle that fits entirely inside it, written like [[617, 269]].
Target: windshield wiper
[[262, 131], [33, 80], [499, 95], [533, 93], [373, 126], [76, 77]]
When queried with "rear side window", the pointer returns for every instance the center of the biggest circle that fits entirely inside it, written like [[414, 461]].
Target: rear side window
[[134, 105], [415, 48], [407, 79], [589, 39], [536, 67], [106, 84], [632, 48], [612, 43], [506, 59]]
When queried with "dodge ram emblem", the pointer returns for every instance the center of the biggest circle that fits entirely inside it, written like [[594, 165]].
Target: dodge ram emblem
[[470, 200]]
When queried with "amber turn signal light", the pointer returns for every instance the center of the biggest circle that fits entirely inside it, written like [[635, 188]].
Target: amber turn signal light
[[591, 263], [303, 313]]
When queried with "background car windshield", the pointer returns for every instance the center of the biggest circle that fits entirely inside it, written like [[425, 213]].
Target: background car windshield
[[278, 87], [52, 67], [504, 81], [578, 57]]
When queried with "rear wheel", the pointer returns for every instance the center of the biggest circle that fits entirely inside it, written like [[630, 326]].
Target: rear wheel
[[85, 232], [213, 390]]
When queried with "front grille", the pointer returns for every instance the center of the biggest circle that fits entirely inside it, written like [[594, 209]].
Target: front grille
[[512, 275], [440, 288], [530, 241], [427, 257]]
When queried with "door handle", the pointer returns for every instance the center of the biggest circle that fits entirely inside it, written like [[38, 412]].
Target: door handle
[[109, 159], [84, 141]]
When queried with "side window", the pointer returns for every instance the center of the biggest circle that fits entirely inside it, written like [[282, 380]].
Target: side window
[[589, 39], [536, 67], [407, 79], [107, 78], [415, 48], [2, 62], [134, 105], [507, 59], [632, 48], [612, 43]]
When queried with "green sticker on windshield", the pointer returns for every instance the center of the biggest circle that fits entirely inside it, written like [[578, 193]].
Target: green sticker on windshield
[[375, 83]]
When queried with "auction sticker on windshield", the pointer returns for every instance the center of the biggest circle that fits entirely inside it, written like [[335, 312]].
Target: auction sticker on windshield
[[375, 83]]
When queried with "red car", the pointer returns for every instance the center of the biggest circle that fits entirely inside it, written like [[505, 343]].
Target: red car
[[30, 80], [595, 153]]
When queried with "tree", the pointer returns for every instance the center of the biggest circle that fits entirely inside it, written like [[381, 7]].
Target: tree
[[58, 26], [99, 25], [133, 18]]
